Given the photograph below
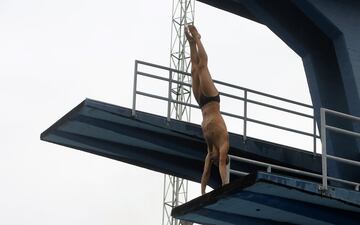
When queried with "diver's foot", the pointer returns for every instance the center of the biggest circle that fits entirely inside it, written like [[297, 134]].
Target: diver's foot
[[194, 33], [188, 35]]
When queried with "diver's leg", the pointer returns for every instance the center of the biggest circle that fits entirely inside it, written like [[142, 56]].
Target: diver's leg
[[207, 86], [194, 65], [203, 59], [193, 51]]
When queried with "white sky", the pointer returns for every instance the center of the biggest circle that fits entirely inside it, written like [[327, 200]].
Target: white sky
[[54, 54]]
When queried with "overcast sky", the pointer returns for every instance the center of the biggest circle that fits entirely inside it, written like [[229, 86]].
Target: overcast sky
[[54, 54]]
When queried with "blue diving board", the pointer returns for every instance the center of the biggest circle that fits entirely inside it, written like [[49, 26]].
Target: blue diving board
[[265, 198], [172, 147]]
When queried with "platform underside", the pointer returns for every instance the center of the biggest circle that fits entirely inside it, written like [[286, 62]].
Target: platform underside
[[265, 198], [150, 141]]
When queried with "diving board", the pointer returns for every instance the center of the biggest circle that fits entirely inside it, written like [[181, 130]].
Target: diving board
[[264, 198], [152, 142]]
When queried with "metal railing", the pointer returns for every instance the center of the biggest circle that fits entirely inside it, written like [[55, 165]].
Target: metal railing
[[325, 156], [246, 119], [246, 100]]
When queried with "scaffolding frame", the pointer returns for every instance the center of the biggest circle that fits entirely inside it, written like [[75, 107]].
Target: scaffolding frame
[[183, 12]]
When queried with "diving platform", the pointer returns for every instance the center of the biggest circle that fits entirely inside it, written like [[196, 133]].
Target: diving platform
[[172, 147], [270, 183], [265, 198], [269, 189]]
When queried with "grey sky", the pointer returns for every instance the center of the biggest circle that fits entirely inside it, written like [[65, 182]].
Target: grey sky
[[53, 54]]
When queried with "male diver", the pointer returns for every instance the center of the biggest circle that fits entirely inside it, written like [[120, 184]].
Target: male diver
[[208, 98]]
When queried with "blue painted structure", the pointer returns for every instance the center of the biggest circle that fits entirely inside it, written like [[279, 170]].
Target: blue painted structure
[[178, 148], [325, 34], [172, 147], [267, 199]]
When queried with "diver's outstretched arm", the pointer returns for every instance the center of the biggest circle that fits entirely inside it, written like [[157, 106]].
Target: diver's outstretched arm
[[206, 174], [223, 168]]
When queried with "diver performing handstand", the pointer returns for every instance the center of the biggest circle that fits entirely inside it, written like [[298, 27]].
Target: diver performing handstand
[[208, 98]]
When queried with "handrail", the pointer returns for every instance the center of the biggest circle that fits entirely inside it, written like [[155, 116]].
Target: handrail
[[325, 156], [263, 94], [227, 84], [245, 99], [246, 119], [269, 168], [323, 176], [229, 114]]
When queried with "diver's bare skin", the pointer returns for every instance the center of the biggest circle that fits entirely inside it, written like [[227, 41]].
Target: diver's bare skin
[[213, 125]]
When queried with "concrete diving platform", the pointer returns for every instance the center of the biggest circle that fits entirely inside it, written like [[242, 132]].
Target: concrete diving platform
[[178, 148], [172, 147], [264, 198]]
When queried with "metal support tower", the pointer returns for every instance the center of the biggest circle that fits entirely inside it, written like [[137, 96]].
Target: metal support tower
[[175, 189]]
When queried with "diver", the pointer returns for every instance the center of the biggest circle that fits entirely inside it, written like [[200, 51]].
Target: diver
[[207, 96]]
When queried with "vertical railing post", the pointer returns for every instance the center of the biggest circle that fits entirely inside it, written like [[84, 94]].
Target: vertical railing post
[[314, 129], [245, 115], [169, 97], [323, 142], [268, 169], [134, 91]]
